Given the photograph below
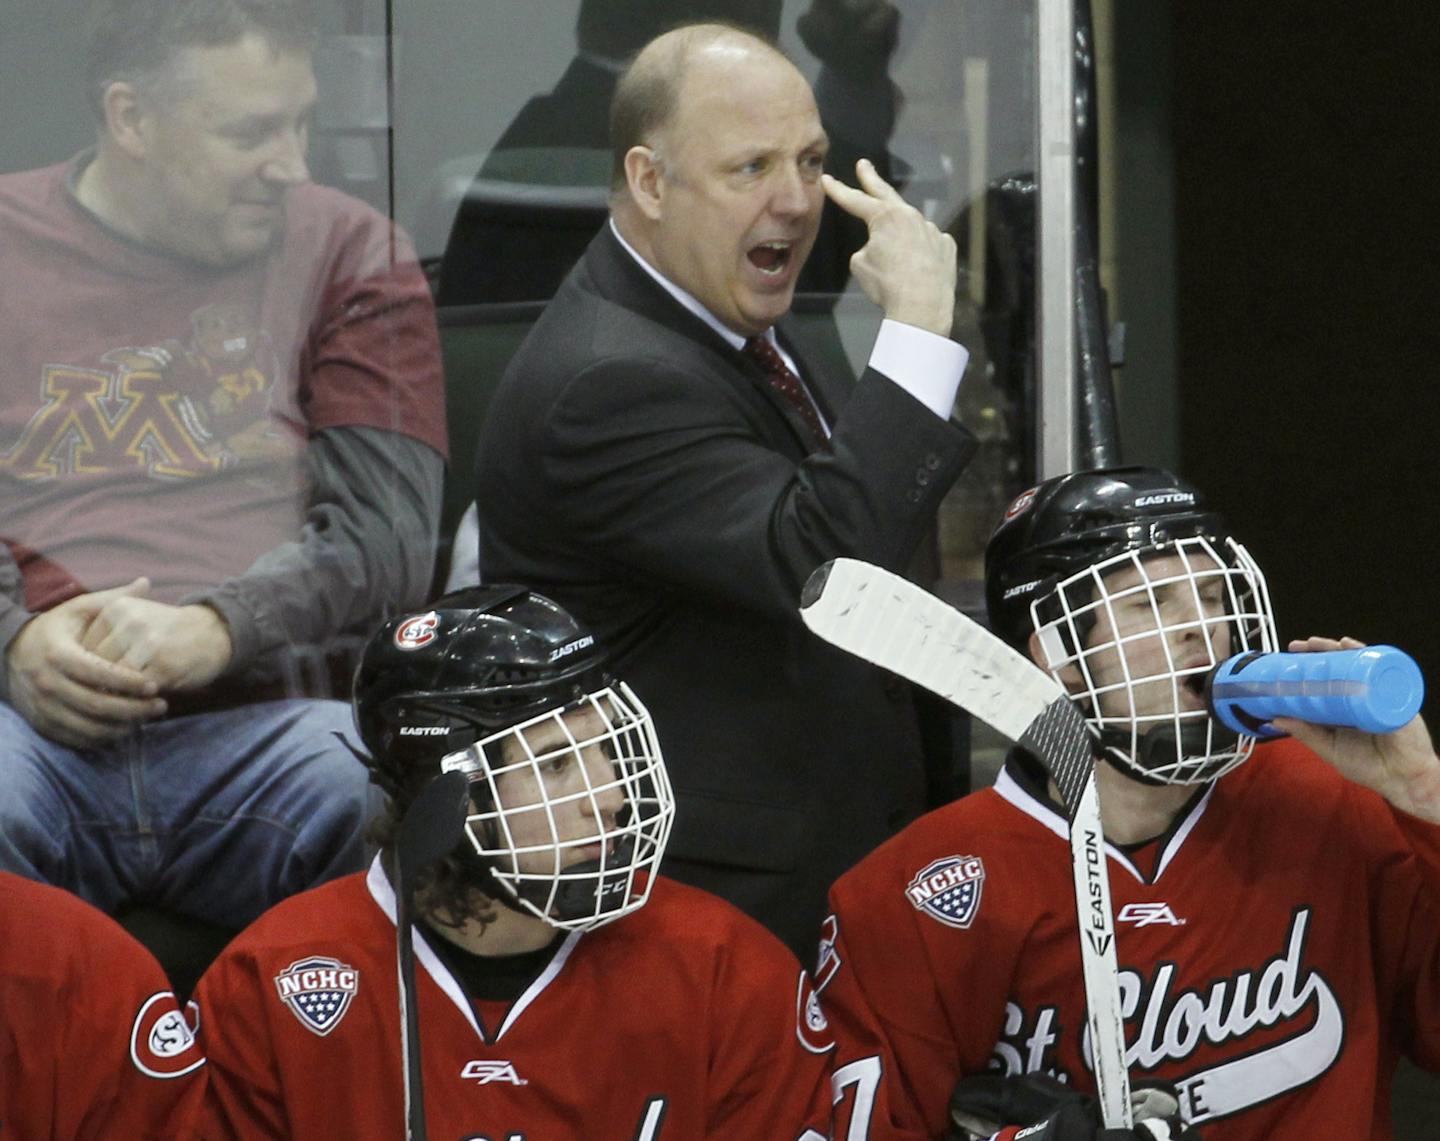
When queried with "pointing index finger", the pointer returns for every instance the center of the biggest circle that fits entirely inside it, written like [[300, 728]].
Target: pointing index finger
[[852, 201], [874, 185]]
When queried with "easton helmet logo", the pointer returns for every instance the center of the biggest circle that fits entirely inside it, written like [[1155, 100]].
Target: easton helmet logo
[[949, 889], [318, 991], [416, 632], [1023, 588], [571, 647], [1160, 498]]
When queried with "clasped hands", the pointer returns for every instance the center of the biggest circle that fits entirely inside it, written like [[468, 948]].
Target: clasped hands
[[89, 670]]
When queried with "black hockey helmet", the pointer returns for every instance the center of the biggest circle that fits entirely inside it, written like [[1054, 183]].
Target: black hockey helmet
[[1080, 520], [434, 681], [570, 805], [1134, 592]]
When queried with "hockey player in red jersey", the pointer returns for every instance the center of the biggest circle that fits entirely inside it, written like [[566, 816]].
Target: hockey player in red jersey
[[1278, 920], [552, 1005], [93, 1044]]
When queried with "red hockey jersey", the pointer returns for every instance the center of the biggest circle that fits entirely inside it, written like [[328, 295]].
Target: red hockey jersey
[[683, 1021], [1278, 949], [92, 1042]]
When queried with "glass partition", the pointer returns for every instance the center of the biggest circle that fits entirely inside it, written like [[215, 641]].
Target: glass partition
[[478, 126], [502, 167]]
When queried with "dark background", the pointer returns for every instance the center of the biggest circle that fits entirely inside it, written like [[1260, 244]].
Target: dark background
[[1306, 278]]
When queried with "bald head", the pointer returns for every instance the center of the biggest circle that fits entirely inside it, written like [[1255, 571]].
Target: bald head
[[718, 153], [648, 96]]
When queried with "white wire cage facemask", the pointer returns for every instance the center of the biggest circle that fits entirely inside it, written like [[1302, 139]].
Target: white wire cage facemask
[[571, 810], [1168, 614]]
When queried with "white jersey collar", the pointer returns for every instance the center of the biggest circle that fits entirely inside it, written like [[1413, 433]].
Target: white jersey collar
[[383, 894]]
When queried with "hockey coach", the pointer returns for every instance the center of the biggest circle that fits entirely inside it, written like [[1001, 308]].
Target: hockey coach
[[665, 458]]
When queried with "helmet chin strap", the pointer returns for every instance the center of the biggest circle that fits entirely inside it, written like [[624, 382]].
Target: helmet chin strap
[[585, 892], [1160, 745], [591, 892]]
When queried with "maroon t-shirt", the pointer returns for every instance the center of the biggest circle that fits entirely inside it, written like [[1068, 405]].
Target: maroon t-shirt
[[154, 413]]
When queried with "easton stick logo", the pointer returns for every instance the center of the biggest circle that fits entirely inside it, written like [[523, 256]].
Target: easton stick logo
[[1098, 931]]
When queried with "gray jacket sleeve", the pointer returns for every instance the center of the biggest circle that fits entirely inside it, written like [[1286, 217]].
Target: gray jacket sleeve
[[13, 614], [367, 549]]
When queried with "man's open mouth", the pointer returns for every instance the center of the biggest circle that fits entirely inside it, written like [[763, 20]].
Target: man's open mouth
[[770, 258], [1193, 684]]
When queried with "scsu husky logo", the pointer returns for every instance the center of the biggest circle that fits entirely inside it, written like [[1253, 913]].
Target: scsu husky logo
[[416, 632], [162, 1039]]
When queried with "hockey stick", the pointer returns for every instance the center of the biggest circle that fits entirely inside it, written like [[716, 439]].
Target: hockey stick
[[432, 825], [887, 620]]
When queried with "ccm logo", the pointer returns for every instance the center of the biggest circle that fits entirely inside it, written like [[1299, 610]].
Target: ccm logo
[[1145, 914], [423, 730]]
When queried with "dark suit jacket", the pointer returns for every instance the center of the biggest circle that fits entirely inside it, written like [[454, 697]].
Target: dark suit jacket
[[640, 471]]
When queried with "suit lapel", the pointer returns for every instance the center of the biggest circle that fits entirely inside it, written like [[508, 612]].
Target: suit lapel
[[615, 276]]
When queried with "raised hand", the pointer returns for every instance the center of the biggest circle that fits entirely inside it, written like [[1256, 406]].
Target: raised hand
[[1401, 766], [908, 266]]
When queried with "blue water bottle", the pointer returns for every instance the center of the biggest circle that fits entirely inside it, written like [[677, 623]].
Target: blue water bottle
[[1376, 688]]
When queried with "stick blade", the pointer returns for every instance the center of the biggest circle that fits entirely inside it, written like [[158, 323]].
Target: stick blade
[[885, 619]]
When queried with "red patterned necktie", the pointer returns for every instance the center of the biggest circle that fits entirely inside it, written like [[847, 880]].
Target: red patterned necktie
[[785, 382]]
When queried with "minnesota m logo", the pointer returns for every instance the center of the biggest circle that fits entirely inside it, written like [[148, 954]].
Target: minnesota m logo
[[95, 422]]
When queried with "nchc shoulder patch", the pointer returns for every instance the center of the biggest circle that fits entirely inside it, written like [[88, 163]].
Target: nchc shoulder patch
[[318, 991], [948, 889]]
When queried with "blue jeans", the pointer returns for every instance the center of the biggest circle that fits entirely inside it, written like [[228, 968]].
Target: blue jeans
[[215, 815]]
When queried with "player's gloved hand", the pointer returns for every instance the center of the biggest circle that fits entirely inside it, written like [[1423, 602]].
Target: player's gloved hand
[[982, 1103], [1040, 1108]]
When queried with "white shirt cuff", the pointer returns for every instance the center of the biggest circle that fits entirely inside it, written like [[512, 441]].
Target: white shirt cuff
[[924, 364]]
